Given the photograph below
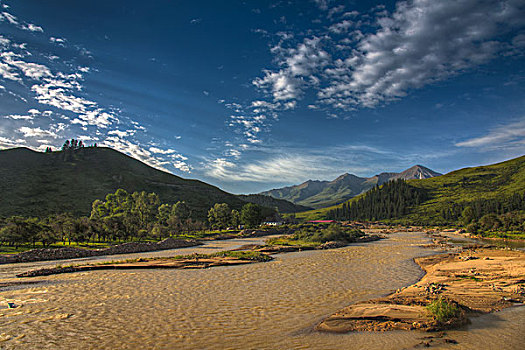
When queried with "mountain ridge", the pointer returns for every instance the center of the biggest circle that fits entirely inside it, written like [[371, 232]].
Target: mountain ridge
[[321, 193], [486, 188]]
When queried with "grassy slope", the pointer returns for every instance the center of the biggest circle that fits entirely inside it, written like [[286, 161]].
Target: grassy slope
[[465, 185], [492, 181], [36, 184], [282, 205], [338, 193]]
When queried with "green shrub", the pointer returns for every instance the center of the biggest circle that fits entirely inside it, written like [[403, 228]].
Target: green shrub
[[443, 310], [473, 227]]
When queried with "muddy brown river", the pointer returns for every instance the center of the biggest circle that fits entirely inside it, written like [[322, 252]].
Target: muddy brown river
[[272, 305]]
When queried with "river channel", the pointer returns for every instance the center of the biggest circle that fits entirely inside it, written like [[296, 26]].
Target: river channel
[[272, 305]]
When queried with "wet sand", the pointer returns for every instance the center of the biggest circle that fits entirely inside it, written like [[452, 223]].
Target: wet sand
[[476, 280]]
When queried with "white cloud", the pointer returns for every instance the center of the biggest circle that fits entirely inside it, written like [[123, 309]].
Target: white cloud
[[57, 82], [299, 63], [505, 136], [221, 168], [162, 151], [291, 169], [10, 143], [265, 104], [282, 85], [57, 40], [18, 117], [9, 17], [31, 70], [36, 132], [8, 72], [421, 42], [322, 4], [32, 28], [341, 27], [119, 133], [335, 10], [57, 91], [4, 41], [13, 20], [135, 150]]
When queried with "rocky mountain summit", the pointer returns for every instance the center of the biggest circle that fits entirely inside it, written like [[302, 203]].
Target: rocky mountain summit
[[319, 194]]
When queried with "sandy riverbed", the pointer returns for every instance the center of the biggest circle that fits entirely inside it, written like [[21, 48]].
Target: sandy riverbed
[[477, 280]]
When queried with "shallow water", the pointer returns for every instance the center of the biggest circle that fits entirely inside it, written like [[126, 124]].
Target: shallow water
[[513, 244], [270, 305]]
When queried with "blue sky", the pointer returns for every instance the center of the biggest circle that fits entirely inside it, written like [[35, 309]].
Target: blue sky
[[253, 95]]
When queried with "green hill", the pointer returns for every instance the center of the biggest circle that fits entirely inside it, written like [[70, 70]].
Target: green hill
[[37, 184], [452, 191], [493, 182]]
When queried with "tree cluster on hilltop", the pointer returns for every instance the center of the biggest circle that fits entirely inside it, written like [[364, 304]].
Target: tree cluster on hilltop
[[72, 144]]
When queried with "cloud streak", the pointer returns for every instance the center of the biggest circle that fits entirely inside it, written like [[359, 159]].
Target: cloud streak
[[503, 137], [296, 167]]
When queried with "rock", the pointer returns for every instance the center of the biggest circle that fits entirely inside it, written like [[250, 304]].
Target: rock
[[331, 245]]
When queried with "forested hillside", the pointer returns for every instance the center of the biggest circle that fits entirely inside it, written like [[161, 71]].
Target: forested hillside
[[492, 197]]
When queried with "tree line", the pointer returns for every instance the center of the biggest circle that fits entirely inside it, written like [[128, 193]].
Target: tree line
[[392, 200], [453, 212], [506, 214], [395, 199], [124, 216]]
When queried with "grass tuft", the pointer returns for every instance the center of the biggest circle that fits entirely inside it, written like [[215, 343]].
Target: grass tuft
[[443, 310]]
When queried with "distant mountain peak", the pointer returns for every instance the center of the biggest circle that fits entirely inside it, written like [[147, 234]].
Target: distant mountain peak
[[417, 172], [318, 194], [344, 177]]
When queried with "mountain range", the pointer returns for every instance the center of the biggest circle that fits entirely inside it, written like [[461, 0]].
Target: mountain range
[[39, 184], [449, 193], [320, 194]]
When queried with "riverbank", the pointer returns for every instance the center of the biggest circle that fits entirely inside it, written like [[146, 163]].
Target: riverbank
[[65, 253], [471, 282], [194, 261], [45, 254], [243, 255]]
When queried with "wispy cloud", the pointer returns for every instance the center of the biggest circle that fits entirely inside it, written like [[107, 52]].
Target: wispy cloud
[[136, 150], [322, 4], [298, 166], [36, 132], [510, 136], [6, 16], [18, 117]]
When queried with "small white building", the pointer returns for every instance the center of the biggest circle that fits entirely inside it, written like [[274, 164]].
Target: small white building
[[272, 223]]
